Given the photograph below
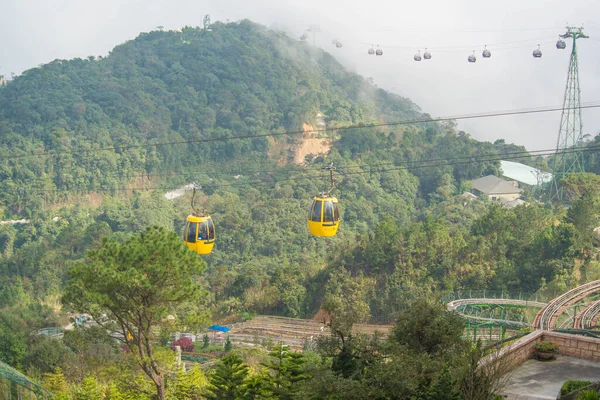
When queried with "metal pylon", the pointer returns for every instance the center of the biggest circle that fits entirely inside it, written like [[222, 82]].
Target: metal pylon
[[566, 159]]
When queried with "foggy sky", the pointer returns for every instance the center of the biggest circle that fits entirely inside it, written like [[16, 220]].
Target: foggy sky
[[39, 31]]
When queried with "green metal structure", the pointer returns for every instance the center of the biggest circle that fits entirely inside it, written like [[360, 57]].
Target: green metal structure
[[570, 133], [16, 386]]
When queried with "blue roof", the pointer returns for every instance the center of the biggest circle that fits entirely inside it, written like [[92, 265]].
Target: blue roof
[[219, 328]]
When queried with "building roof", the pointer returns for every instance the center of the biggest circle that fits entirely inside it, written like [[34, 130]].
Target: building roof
[[513, 203], [493, 185], [524, 173]]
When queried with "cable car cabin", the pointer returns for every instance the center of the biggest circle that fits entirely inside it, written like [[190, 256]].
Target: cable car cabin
[[537, 53], [324, 216], [427, 55], [417, 56], [199, 234], [371, 51], [472, 58], [378, 52], [486, 53], [561, 44]]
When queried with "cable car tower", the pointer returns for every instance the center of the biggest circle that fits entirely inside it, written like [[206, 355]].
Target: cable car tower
[[207, 24], [314, 29], [566, 159]]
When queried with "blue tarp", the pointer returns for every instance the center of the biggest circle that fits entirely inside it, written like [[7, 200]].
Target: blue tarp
[[219, 328]]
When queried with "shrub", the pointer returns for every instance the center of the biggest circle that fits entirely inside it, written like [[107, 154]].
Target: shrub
[[588, 394], [572, 385], [548, 347], [185, 343]]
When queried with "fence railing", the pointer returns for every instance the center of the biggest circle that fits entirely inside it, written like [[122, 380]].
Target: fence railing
[[498, 294]]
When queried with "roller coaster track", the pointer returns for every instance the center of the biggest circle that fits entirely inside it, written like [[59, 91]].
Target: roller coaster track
[[588, 317], [456, 304], [547, 317]]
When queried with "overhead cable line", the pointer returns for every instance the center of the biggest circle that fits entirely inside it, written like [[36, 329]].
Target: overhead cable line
[[291, 133], [212, 174], [512, 44], [465, 30], [395, 167]]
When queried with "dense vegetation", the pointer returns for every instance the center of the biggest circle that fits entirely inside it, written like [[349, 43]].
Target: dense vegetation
[[407, 231]]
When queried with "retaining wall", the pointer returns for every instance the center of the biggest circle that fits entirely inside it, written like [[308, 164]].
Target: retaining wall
[[568, 345]]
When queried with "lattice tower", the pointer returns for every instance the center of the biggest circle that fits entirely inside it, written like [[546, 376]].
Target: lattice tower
[[571, 126]]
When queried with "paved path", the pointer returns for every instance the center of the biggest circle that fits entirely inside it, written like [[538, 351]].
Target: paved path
[[535, 380]]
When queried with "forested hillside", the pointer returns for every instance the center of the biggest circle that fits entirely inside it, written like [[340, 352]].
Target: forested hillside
[[89, 147]]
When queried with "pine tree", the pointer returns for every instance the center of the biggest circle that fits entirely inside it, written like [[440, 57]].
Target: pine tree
[[189, 385], [228, 345], [56, 382], [205, 341], [137, 282], [226, 382], [445, 387], [287, 369], [89, 389]]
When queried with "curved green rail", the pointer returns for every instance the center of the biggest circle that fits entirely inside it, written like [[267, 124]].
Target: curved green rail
[[16, 386]]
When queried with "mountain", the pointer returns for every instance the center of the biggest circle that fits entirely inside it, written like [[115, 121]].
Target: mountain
[[191, 88], [178, 86], [89, 147]]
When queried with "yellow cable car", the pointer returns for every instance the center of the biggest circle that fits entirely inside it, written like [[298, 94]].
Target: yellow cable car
[[199, 234], [324, 214]]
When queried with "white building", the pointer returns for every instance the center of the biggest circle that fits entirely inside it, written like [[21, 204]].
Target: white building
[[496, 188], [524, 174]]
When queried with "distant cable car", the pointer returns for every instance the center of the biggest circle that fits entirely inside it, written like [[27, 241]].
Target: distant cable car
[[324, 214], [417, 56], [304, 36], [199, 233], [371, 51], [537, 53], [378, 52], [560, 44], [486, 53], [427, 55], [472, 57], [338, 44]]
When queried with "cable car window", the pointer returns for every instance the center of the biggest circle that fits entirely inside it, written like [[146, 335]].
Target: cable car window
[[211, 230], [191, 232], [202, 235], [316, 211], [336, 212], [328, 215]]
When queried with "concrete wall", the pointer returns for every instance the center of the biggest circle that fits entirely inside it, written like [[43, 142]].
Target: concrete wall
[[575, 345], [568, 345], [505, 197]]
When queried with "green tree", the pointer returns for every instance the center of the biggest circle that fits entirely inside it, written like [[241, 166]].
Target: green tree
[[190, 385], [287, 370], [89, 389], [228, 345], [12, 347], [345, 301], [578, 184], [137, 283], [584, 214], [56, 382], [427, 327], [228, 378]]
